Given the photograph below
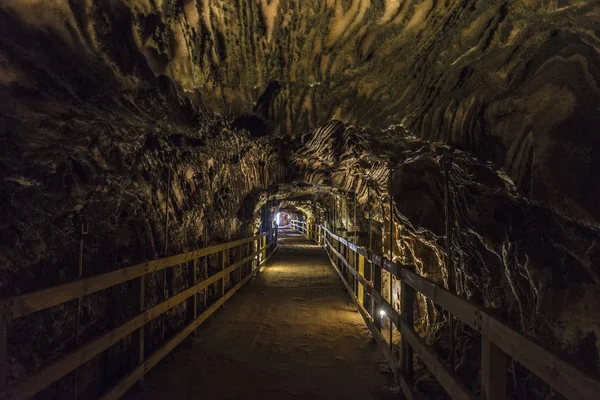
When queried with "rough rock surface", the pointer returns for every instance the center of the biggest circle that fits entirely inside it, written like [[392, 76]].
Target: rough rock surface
[[108, 105], [514, 82], [510, 253]]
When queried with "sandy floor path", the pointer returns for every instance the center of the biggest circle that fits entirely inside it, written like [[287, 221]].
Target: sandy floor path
[[290, 334]]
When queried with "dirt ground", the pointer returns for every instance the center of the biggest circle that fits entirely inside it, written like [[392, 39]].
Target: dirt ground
[[292, 333]]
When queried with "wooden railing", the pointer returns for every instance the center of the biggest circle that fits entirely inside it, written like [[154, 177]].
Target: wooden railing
[[258, 249], [498, 340]]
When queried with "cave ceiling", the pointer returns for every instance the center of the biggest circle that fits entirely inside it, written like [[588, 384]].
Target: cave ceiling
[[512, 82]]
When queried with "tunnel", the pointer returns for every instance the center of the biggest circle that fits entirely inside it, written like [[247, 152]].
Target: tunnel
[[279, 199]]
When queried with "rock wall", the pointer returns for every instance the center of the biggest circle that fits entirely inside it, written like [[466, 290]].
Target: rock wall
[[509, 252], [100, 99], [80, 137], [513, 82]]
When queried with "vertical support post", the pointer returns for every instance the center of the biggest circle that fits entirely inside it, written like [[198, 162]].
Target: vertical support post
[[248, 253], [408, 318], [256, 246], [264, 218], [166, 248], [338, 247], [446, 164], [371, 268], [204, 261], [355, 226], [377, 286], [251, 252], [223, 281], [494, 363], [344, 253], [357, 268], [205, 275], [138, 337], [361, 271], [352, 260], [242, 256], [84, 231], [391, 244], [334, 214], [192, 305], [167, 197], [369, 216]]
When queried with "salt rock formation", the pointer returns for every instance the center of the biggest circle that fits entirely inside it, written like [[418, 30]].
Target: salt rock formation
[[510, 253], [514, 82], [137, 114]]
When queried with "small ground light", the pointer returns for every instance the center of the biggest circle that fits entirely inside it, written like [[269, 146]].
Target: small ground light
[[382, 313]]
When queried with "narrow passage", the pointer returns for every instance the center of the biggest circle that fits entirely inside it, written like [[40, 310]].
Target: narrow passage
[[293, 333]]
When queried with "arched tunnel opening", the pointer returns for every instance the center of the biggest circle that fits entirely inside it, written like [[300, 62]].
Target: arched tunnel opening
[[358, 199]]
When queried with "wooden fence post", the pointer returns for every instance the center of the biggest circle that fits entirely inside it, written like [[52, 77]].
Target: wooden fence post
[[494, 364], [361, 271], [192, 305], [205, 276], [338, 247], [250, 264], [223, 278], [352, 261], [408, 317], [138, 342], [241, 267], [256, 245], [377, 286]]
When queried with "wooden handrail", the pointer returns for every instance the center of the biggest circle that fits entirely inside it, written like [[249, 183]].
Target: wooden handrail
[[22, 305], [124, 384], [565, 378]]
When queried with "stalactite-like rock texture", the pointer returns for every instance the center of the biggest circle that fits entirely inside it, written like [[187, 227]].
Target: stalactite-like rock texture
[[510, 253], [135, 113], [515, 82]]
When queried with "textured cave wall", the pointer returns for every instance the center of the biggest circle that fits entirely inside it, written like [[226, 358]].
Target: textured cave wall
[[510, 253], [97, 97], [121, 182], [82, 131], [513, 82]]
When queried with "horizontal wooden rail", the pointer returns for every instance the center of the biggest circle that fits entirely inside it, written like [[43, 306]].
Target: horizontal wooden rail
[[565, 378], [28, 386], [389, 355], [20, 306], [126, 383]]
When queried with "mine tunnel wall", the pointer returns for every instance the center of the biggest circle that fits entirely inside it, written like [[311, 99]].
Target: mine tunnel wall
[[121, 179], [510, 254], [94, 122]]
